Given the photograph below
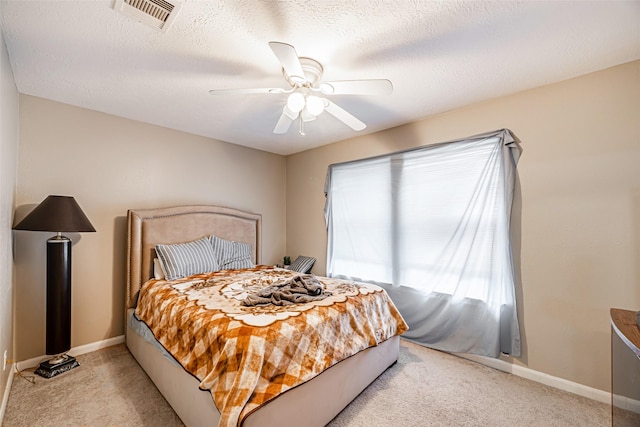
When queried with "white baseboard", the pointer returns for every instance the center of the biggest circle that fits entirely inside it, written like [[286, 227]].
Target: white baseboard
[[76, 351], [542, 378], [7, 389], [88, 348], [626, 403]]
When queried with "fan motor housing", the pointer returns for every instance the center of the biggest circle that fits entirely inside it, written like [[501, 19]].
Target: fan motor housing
[[312, 72]]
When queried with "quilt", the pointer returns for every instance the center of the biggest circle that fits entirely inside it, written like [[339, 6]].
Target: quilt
[[248, 355]]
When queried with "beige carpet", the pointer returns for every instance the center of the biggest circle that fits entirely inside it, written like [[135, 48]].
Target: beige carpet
[[425, 388]]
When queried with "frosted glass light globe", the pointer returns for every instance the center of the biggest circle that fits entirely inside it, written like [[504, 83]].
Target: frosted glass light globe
[[315, 105], [296, 102]]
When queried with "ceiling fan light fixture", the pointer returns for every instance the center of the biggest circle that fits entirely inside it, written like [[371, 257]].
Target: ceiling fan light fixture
[[315, 105], [307, 116], [296, 102]]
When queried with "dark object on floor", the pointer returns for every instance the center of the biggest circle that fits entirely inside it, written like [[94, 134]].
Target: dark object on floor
[[56, 366]]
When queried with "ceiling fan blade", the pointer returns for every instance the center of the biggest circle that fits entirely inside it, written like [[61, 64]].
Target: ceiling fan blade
[[288, 58], [284, 122], [341, 114], [357, 87], [243, 91]]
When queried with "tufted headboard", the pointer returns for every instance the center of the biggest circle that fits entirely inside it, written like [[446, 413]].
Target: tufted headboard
[[148, 227]]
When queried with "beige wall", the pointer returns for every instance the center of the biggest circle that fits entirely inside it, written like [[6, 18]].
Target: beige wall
[[109, 165], [8, 154], [580, 208]]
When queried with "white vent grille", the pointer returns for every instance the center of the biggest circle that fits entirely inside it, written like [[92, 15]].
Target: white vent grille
[[159, 14]]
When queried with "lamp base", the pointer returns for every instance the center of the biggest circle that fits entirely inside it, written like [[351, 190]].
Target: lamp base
[[56, 366]]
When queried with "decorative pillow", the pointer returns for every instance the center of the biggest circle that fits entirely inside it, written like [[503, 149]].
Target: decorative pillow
[[158, 272], [231, 255], [184, 259], [303, 264]]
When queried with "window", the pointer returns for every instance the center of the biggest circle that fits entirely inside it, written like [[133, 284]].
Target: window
[[434, 220]]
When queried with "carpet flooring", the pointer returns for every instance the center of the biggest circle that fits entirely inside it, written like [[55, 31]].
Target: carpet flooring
[[424, 388]]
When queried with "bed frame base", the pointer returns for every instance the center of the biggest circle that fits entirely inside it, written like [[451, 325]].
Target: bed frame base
[[314, 403]]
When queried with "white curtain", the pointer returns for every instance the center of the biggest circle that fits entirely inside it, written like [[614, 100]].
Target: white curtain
[[432, 226]]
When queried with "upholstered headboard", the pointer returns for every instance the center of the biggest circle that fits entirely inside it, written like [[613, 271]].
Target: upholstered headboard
[[148, 227]]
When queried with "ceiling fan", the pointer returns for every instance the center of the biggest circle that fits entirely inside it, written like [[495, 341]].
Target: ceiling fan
[[306, 99]]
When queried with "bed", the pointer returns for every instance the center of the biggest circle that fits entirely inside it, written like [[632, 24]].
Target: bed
[[312, 402]]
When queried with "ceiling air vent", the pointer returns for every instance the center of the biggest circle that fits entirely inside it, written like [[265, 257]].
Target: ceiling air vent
[[159, 14]]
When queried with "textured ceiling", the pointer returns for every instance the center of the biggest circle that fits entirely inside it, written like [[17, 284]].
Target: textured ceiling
[[439, 55]]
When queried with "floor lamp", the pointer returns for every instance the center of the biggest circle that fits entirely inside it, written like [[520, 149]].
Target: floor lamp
[[58, 214]]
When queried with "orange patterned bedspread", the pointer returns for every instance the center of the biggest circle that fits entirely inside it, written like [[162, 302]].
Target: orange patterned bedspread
[[248, 355]]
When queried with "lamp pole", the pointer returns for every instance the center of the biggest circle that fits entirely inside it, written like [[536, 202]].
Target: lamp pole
[[58, 294]]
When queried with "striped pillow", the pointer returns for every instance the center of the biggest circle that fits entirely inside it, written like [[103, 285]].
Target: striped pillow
[[184, 259], [231, 255], [302, 264]]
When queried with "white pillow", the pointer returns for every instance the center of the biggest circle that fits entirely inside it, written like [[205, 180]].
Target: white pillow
[[185, 259], [158, 272]]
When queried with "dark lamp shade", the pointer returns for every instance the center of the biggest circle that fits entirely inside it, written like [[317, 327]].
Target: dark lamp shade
[[57, 214]]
